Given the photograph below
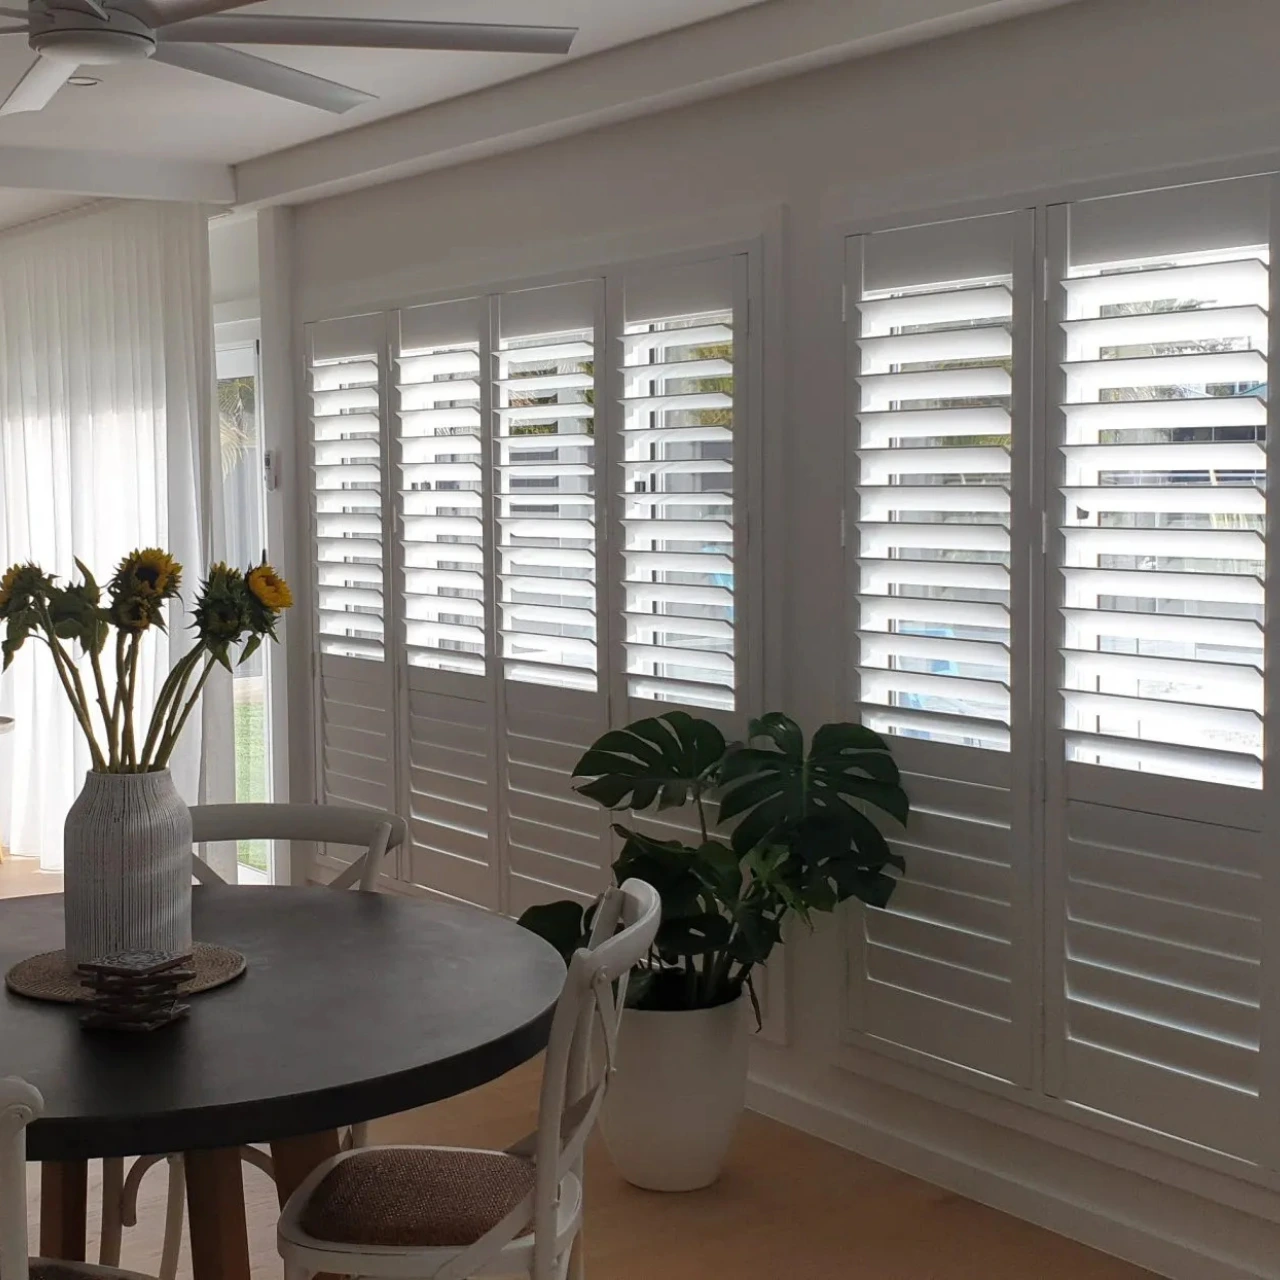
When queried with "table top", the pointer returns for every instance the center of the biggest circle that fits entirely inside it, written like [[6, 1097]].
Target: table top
[[354, 1006]]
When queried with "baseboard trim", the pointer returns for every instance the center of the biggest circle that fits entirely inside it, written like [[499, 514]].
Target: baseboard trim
[[1164, 1229]]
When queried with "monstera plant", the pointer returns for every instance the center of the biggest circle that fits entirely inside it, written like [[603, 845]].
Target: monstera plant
[[771, 828], [776, 829]]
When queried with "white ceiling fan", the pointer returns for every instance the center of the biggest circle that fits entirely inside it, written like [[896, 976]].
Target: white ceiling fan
[[68, 34]]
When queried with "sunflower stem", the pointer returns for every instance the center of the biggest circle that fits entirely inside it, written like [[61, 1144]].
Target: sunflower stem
[[171, 739], [170, 692], [128, 749], [105, 708], [117, 703], [71, 682], [176, 702]]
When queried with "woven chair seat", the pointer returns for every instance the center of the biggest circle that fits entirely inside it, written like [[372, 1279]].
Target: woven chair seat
[[56, 1269], [414, 1197]]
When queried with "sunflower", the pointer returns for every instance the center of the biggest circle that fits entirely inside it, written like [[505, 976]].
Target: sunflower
[[269, 589], [20, 585], [221, 613], [133, 615], [150, 573]]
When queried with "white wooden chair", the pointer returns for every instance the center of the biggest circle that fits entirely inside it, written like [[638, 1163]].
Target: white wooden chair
[[446, 1213], [376, 832], [21, 1103]]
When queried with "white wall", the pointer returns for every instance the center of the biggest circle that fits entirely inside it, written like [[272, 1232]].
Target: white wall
[[1071, 96], [233, 263]]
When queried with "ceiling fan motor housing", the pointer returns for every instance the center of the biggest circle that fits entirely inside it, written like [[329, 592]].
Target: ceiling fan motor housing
[[81, 37]]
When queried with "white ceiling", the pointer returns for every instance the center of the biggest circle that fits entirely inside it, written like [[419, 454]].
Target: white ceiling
[[162, 112], [150, 131]]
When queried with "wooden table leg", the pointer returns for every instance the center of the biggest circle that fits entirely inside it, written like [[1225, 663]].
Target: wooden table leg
[[64, 1196], [215, 1205], [294, 1159]]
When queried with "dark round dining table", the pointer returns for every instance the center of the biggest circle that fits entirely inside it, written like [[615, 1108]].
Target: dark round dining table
[[354, 1006]]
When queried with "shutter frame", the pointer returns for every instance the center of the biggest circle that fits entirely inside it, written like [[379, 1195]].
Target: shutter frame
[[1192, 1066], [928, 980], [355, 735]]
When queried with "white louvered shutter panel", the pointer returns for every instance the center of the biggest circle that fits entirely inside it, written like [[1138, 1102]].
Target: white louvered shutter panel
[[549, 624], [348, 439], [680, 483], [1160, 330], [939, 344], [451, 781]]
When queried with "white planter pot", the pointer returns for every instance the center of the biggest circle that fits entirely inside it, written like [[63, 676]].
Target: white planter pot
[[673, 1107], [127, 867]]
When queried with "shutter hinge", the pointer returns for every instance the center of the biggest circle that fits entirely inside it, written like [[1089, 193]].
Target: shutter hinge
[[1044, 280], [1044, 533]]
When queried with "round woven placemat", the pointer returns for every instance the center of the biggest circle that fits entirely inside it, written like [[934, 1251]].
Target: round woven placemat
[[49, 977]]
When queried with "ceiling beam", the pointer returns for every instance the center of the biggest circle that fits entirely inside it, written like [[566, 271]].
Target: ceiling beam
[[734, 51], [103, 173]]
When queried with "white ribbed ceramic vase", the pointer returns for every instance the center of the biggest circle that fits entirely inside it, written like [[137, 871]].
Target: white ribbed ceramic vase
[[674, 1104], [127, 867]]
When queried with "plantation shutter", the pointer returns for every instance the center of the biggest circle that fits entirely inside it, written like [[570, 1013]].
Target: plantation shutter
[[355, 739], [550, 623], [939, 333], [679, 483], [1160, 330], [449, 732]]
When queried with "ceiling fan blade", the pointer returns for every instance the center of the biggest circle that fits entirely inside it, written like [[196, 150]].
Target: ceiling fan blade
[[371, 33], [14, 31], [257, 73], [166, 12], [35, 90], [20, 14]]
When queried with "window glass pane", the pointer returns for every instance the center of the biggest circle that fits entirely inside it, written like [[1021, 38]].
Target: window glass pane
[[243, 498]]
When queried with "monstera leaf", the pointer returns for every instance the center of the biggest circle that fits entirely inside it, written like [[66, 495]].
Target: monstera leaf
[[813, 804], [662, 761], [565, 925]]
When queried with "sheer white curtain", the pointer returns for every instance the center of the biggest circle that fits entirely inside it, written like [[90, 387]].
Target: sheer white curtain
[[106, 444]]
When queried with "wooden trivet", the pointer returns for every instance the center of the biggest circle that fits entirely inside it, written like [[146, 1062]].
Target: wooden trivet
[[50, 976]]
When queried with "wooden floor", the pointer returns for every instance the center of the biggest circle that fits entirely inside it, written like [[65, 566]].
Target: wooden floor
[[789, 1206]]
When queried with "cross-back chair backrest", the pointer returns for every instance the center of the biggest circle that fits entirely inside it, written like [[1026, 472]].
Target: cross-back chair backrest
[[374, 830], [590, 1007], [20, 1103]]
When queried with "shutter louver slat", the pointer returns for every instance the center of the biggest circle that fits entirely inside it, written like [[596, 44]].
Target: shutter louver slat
[[441, 502], [678, 508], [346, 454], [1164, 470], [947, 472], [545, 453], [450, 768]]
